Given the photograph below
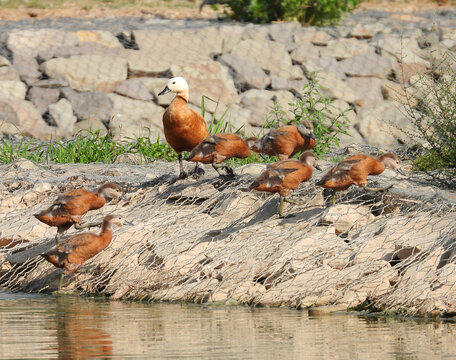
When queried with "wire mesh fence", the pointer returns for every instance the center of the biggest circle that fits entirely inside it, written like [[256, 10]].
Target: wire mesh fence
[[211, 240]]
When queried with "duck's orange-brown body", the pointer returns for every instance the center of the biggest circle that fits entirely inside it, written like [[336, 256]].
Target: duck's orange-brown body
[[218, 148], [283, 177], [284, 142], [77, 249], [69, 208], [184, 128], [353, 170]]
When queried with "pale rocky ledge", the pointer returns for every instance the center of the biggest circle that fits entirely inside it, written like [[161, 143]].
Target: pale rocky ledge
[[210, 241]]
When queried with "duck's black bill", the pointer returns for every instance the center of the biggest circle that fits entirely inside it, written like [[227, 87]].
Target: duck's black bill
[[317, 167], [312, 135], [164, 91]]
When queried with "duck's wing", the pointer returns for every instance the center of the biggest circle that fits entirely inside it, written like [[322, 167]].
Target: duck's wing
[[340, 171]]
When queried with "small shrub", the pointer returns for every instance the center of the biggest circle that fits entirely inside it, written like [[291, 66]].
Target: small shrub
[[318, 109], [315, 12], [434, 119]]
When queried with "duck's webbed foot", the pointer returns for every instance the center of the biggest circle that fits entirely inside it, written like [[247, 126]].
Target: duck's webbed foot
[[197, 171], [80, 226], [228, 169], [367, 188], [294, 202]]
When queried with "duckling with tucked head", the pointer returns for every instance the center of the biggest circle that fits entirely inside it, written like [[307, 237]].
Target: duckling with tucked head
[[285, 176], [184, 128], [355, 169], [220, 147], [285, 141], [69, 207]]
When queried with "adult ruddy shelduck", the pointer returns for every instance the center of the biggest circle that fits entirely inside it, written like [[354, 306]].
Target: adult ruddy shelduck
[[77, 249], [184, 128], [220, 147], [68, 209], [285, 176], [285, 141], [354, 170]]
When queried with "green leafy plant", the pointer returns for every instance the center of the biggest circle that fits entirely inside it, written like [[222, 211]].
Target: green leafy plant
[[318, 109], [315, 12], [434, 121]]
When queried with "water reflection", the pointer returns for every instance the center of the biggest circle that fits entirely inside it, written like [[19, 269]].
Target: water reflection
[[75, 328], [79, 331]]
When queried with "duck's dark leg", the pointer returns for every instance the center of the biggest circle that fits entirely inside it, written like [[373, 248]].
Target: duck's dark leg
[[57, 239], [281, 206], [365, 187], [182, 174]]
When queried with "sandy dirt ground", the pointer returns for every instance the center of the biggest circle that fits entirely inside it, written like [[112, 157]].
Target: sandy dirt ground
[[69, 9]]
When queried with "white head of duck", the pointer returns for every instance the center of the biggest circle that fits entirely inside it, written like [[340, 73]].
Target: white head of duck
[[176, 85]]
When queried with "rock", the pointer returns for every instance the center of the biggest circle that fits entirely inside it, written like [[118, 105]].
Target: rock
[[361, 31], [92, 125], [396, 92], [379, 125], [12, 88], [296, 86], [259, 102], [283, 98], [347, 218], [25, 118], [62, 113], [210, 79], [41, 42], [405, 50], [404, 72], [256, 33], [50, 83], [42, 97], [246, 74], [283, 32], [239, 118], [368, 91], [305, 51], [135, 118], [101, 37], [89, 105], [134, 89], [311, 34], [326, 64], [7, 72], [91, 48], [345, 48], [367, 64], [26, 66], [335, 88], [147, 63], [270, 56], [87, 72]]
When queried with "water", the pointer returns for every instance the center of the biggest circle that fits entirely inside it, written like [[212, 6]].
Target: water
[[43, 327]]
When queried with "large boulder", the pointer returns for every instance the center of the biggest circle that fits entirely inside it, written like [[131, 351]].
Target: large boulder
[[368, 91], [89, 105], [12, 88], [7, 71], [246, 73], [87, 72], [270, 56], [43, 97], [209, 79], [135, 118], [335, 88], [25, 118], [367, 64], [62, 113], [345, 48]]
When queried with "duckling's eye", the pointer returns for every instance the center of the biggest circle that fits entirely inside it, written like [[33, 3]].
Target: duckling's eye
[[174, 82]]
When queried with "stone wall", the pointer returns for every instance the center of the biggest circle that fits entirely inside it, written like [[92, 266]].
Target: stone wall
[[210, 241], [106, 74]]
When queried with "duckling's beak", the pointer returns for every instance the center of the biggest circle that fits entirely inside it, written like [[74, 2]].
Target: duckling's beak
[[312, 135], [164, 91], [128, 222], [318, 167], [124, 198], [400, 171]]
